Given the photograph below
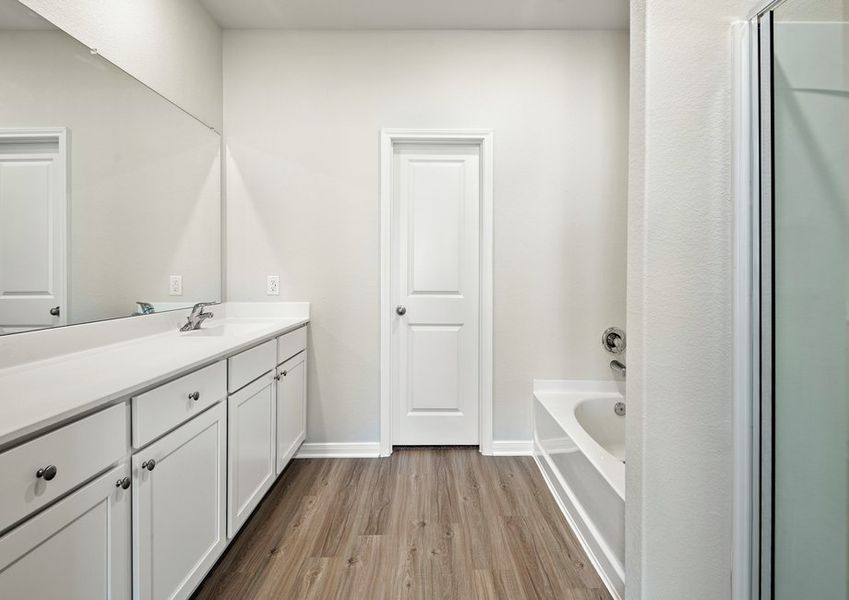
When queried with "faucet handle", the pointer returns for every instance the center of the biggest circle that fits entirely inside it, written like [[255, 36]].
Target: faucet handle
[[613, 340], [197, 309]]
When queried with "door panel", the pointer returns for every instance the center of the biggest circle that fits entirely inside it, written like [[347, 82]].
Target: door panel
[[435, 368], [436, 197], [436, 279]]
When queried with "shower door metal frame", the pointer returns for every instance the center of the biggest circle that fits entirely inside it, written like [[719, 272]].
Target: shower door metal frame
[[762, 538], [762, 551]]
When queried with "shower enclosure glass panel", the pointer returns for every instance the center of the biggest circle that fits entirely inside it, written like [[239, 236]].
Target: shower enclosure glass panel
[[810, 299]]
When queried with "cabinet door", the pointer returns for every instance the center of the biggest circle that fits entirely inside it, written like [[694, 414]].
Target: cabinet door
[[291, 408], [78, 549], [178, 507], [250, 450]]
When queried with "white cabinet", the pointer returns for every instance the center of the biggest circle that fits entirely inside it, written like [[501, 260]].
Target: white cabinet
[[161, 409], [179, 487], [250, 364], [290, 344], [78, 549], [250, 449], [46, 468], [291, 407]]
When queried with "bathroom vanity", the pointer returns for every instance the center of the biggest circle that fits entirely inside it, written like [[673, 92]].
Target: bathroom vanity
[[127, 468]]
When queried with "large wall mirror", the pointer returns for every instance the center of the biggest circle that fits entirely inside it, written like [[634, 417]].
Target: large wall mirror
[[110, 200]]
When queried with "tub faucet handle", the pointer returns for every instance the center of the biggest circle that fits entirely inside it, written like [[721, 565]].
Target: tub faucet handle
[[618, 367], [613, 340]]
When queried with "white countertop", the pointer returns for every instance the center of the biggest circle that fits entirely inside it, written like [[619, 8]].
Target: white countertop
[[40, 394]]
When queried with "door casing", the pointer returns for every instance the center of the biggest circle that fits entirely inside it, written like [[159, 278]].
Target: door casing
[[483, 139]]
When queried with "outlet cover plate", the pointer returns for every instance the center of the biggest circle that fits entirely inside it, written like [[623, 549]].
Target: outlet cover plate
[[272, 285], [175, 285]]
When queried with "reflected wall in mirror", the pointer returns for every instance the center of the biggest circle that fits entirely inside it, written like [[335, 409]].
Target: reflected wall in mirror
[[110, 200]]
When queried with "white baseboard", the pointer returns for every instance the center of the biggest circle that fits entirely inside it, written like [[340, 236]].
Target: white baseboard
[[329, 450], [512, 448], [372, 449]]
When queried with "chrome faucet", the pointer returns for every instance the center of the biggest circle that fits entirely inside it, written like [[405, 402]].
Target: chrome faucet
[[197, 316]]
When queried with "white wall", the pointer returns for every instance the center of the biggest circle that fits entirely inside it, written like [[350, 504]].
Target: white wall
[[302, 116], [144, 178], [172, 46], [679, 388]]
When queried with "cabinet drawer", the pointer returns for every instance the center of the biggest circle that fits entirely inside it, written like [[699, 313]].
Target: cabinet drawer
[[158, 411], [250, 364], [76, 452], [290, 344]]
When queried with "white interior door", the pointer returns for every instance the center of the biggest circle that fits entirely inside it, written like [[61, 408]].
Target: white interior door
[[33, 229], [435, 284]]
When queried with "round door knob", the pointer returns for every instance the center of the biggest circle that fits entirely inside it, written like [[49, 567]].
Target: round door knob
[[401, 310], [123, 483], [47, 473], [194, 396], [149, 464]]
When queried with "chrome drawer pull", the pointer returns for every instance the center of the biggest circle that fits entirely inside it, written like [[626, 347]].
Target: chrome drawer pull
[[194, 396]]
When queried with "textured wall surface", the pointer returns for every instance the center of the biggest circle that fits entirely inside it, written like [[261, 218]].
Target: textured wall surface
[[680, 267]]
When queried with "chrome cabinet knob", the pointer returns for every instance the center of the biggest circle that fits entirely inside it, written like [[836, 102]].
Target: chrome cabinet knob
[[47, 473], [123, 483], [284, 373], [54, 312], [149, 464], [194, 396], [401, 310]]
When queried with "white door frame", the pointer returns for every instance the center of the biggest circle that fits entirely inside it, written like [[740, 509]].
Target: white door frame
[[59, 136], [483, 139]]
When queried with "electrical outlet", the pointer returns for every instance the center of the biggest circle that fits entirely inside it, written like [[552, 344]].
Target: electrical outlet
[[272, 285], [175, 285]]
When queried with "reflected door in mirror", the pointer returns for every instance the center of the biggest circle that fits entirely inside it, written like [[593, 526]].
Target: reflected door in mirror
[[33, 228]]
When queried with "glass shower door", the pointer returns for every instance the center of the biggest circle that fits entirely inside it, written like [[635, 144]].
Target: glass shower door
[[810, 301]]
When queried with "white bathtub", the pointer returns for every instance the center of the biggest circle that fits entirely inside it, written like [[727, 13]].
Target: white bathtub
[[579, 445]]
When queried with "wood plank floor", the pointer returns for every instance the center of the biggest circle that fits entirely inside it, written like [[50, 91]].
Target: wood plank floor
[[442, 523]]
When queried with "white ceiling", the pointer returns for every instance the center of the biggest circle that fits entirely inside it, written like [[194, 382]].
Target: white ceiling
[[419, 14]]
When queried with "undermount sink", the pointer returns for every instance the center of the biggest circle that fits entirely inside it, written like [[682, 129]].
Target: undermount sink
[[226, 328]]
